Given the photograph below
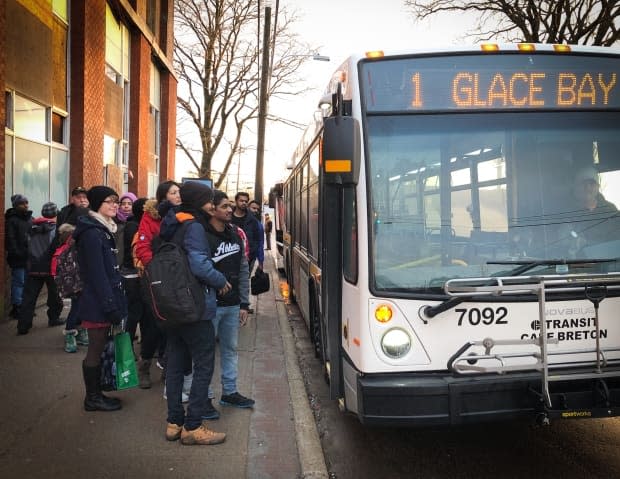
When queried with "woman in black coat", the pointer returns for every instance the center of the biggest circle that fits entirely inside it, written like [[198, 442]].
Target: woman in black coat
[[102, 300]]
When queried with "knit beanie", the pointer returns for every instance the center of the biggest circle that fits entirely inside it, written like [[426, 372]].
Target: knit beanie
[[18, 199], [49, 210], [129, 195], [97, 194], [120, 214], [195, 194]]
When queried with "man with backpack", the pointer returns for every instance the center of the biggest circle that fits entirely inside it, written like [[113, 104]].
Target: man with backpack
[[40, 244], [186, 227]]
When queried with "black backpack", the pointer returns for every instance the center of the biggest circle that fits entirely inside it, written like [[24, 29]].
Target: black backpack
[[40, 239], [175, 294]]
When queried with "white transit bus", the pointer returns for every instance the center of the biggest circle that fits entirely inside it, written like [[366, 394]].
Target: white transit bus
[[450, 233]]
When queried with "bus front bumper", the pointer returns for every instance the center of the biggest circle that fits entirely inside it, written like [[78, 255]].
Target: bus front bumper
[[444, 399]]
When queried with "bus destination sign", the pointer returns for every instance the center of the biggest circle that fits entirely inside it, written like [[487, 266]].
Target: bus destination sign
[[506, 82]]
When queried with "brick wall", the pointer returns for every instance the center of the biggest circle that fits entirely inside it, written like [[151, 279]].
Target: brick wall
[[3, 268], [139, 114], [87, 92]]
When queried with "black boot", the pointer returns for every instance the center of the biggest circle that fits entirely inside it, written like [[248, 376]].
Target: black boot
[[95, 400], [15, 312]]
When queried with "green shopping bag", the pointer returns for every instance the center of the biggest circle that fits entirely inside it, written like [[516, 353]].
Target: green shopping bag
[[126, 371]]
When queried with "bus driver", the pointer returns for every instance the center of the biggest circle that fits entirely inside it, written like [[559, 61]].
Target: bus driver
[[595, 218]]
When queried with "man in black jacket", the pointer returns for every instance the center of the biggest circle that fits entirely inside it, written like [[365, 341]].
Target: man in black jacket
[[244, 219], [228, 256], [69, 213], [18, 220]]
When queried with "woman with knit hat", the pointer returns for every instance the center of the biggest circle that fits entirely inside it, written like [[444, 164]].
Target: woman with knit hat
[[102, 300], [125, 207]]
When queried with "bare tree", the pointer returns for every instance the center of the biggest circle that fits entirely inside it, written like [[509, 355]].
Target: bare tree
[[587, 22], [216, 55]]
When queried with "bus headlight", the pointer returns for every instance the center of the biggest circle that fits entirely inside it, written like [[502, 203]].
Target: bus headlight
[[396, 343]]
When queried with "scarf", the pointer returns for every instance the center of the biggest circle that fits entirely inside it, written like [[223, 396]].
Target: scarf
[[107, 222]]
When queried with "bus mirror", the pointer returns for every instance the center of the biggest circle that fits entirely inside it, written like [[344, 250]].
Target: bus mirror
[[341, 150]]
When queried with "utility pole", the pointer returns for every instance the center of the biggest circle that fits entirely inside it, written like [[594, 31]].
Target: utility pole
[[262, 108]]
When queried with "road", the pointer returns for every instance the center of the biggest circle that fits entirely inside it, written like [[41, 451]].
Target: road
[[573, 449]]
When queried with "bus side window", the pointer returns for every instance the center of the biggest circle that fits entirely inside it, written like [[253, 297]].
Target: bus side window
[[349, 236]]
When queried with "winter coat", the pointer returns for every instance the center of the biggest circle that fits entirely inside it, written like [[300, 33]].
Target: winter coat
[[17, 225], [255, 235], [196, 246], [228, 250], [147, 230], [40, 241], [127, 264], [102, 290]]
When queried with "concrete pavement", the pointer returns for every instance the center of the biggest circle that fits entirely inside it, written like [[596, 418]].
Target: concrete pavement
[[47, 434]]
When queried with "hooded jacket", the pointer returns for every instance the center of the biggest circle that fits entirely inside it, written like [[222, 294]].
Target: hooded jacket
[[41, 239], [196, 246], [228, 250], [149, 228], [102, 290], [17, 225]]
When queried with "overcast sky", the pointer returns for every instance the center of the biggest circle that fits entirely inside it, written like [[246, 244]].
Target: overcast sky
[[338, 28]]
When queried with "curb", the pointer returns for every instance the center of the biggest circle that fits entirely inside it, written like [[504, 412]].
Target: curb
[[311, 458]]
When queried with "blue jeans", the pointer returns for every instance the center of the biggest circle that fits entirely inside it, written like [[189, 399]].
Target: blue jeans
[[226, 324], [199, 339], [18, 279]]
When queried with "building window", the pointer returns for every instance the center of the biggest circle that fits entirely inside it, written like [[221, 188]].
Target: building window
[[8, 110], [59, 7], [58, 128], [36, 160], [116, 138], [154, 120], [30, 119]]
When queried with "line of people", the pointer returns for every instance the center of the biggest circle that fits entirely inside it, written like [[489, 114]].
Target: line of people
[[115, 237]]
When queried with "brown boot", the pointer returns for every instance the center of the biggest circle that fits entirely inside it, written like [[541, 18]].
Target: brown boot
[[144, 374], [173, 431], [201, 436]]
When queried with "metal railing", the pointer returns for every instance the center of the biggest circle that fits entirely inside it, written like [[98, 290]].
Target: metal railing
[[593, 286]]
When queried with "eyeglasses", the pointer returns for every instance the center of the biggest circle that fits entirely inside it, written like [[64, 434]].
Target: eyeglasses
[[112, 202]]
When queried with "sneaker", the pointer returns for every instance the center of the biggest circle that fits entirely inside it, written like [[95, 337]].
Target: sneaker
[[237, 400], [173, 432], [55, 322], [70, 341], [201, 436], [82, 337], [211, 414]]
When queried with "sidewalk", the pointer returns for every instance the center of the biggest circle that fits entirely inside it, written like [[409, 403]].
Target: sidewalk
[[47, 434]]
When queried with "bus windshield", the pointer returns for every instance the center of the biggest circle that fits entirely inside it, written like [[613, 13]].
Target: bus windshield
[[454, 194]]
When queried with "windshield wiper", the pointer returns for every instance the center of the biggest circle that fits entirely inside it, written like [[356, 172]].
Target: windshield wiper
[[524, 265], [528, 264]]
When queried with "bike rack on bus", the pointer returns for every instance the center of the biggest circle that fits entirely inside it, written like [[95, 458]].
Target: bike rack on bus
[[593, 286]]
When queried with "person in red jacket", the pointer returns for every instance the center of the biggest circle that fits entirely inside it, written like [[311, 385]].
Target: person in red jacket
[[153, 340]]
